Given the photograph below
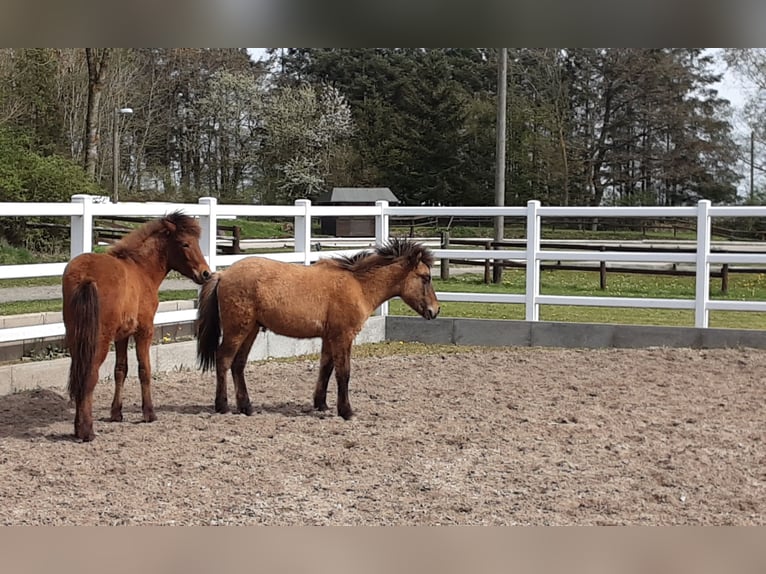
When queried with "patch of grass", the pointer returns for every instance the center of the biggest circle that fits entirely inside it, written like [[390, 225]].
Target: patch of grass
[[741, 287], [608, 315], [182, 295], [260, 229], [22, 307], [10, 255], [30, 282]]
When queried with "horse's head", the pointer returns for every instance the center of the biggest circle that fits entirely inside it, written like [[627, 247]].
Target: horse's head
[[183, 250], [417, 289]]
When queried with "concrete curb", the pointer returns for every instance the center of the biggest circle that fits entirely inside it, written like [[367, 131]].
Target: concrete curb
[[482, 332], [174, 356], [15, 350], [490, 332]]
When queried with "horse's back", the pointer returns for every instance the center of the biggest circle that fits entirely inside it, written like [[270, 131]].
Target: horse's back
[[289, 299], [97, 267], [121, 296], [266, 278]]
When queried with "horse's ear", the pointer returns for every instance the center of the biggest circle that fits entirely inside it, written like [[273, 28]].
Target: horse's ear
[[416, 258], [170, 227]]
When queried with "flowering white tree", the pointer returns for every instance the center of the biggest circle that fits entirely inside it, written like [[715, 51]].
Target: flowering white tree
[[230, 115], [304, 128]]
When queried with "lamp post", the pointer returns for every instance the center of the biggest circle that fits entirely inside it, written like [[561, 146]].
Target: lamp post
[[116, 150]]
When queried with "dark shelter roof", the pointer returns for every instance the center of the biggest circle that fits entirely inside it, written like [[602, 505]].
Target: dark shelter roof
[[358, 195]]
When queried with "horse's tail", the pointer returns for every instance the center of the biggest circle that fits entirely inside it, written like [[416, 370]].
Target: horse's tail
[[208, 324], [82, 336]]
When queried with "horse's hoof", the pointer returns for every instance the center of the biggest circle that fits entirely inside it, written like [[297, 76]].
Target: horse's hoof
[[321, 407], [346, 413], [222, 409], [150, 417], [246, 409], [116, 418], [85, 436]]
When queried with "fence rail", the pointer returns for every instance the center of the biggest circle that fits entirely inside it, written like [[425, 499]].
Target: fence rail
[[82, 211]]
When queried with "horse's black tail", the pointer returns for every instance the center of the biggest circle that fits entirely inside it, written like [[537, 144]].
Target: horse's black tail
[[82, 336], [208, 327]]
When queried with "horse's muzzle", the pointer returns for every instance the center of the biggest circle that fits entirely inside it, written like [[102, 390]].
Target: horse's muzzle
[[201, 277], [430, 313]]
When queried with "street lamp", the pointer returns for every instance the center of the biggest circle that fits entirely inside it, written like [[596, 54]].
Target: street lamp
[[116, 150]]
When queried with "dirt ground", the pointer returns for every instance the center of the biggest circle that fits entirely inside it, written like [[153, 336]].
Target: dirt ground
[[496, 436]]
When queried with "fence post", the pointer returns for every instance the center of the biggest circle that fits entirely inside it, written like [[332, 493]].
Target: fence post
[[382, 229], [533, 264], [209, 224], [602, 272], [702, 290], [382, 233], [487, 265], [81, 230], [725, 278], [444, 264], [236, 238], [303, 230]]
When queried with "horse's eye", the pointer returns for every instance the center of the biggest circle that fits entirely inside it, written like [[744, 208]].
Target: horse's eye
[[426, 279]]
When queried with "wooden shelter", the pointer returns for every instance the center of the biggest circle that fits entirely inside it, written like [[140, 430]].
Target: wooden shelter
[[353, 226]]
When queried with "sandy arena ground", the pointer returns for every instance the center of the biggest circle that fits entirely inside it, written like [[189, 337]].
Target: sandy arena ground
[[496, 436]]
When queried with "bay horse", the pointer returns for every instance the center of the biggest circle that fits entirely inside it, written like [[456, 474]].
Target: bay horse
[[114, 295], [331, 299]]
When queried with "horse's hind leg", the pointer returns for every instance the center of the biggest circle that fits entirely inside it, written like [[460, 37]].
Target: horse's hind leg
[[143, 346], [238, 373], [326, 366], [120, 372], [224, 358], [83, 418]]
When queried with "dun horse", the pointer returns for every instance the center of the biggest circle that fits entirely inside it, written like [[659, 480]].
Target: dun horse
[[111, 296], [330, 299]]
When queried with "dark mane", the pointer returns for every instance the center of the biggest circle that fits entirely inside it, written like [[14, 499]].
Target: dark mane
[[395, 250], [173, 224]]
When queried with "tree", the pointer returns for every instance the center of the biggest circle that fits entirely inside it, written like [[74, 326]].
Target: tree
[[29, 176], [305, 130], [98, 60], [230, 112], [412, 109]]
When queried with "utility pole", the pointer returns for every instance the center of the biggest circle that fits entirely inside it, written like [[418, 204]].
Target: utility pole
[[752, 166], [502, 88]]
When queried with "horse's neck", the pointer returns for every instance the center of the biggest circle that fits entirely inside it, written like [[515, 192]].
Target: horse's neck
[[153, 263], [381, 284]]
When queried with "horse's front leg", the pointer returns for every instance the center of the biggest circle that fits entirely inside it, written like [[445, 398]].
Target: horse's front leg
[[120, 372], [143, 347], [342, 358], [326, 365]]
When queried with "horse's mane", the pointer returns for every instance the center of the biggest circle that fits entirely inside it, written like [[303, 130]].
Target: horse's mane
[[395, 250], [172, 224]]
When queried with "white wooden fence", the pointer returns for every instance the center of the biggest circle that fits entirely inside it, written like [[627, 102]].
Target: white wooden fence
[[82, 210]]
